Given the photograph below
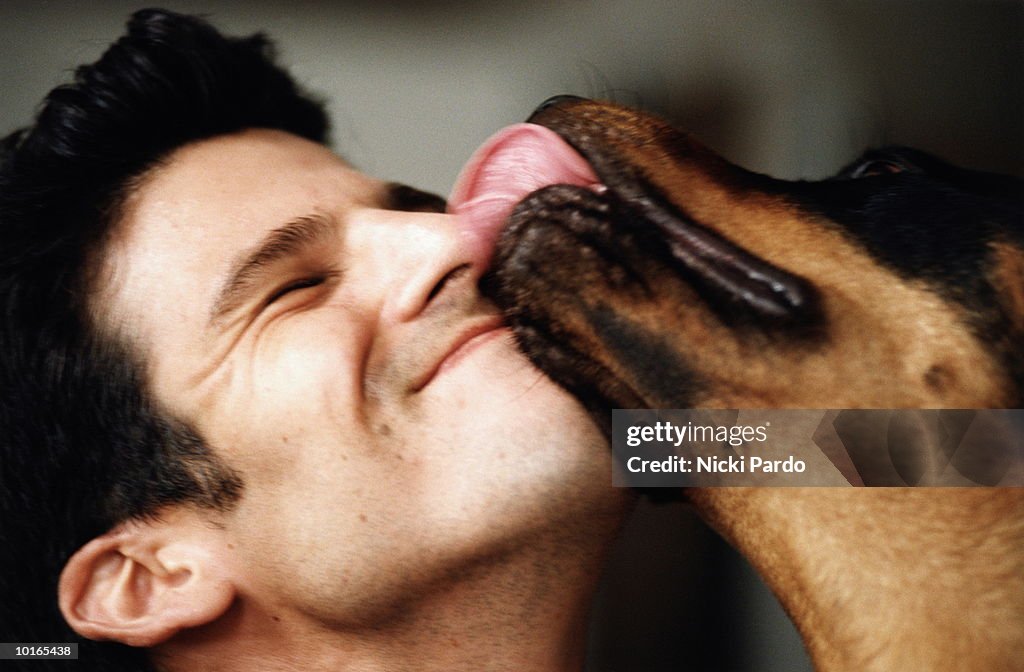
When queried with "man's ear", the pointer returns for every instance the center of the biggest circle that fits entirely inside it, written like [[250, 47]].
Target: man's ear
[[142, 582]]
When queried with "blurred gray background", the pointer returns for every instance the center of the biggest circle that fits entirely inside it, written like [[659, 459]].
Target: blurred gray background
[[791, 88]]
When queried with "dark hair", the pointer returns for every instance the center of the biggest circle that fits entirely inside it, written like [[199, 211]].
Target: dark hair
[[83, 445]]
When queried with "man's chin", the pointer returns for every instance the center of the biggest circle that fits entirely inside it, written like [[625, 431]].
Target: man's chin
[[509, 422]]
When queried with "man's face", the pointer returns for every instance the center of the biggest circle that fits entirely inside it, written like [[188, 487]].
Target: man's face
[[331, 345]]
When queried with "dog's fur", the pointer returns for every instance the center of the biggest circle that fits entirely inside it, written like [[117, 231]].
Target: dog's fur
[[899, 283]]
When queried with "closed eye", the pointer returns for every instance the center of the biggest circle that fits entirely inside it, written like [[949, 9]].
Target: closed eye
[[299, 285]]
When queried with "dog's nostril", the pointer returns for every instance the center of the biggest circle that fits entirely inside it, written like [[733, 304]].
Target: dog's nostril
[[552, 101]]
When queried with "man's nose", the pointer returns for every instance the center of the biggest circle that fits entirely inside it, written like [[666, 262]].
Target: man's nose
[[412, 257]]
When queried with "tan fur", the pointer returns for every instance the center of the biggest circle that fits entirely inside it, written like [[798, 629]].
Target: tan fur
[[888, 579]]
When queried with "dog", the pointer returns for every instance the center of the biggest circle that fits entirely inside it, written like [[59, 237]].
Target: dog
[[662, 276]]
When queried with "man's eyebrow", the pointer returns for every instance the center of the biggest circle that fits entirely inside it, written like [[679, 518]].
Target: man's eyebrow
[[250, 268]]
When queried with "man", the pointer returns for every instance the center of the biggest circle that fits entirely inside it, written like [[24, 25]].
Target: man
[[255, 413]]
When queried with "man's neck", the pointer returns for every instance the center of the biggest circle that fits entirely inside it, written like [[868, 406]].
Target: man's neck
[[526, 610], [887, 579]]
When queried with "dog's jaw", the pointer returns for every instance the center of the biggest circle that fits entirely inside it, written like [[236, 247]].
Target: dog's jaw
[[609, 220]]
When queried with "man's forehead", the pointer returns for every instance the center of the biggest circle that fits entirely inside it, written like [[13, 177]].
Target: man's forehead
[[237, 184], [243, 164], [190, 216]]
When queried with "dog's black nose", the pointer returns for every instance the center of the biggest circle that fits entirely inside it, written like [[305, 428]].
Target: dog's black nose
[[552, 101]]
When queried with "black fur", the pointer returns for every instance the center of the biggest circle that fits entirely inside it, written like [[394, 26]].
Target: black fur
[[922, 217], [932, 222]]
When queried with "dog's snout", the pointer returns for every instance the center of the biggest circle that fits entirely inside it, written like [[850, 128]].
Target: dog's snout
[[552, 101]]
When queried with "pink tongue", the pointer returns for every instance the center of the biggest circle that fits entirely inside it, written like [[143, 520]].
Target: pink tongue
[[512, 163]]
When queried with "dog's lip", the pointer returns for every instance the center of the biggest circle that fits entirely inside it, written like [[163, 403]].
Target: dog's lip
[[511, 164], [465, 340]]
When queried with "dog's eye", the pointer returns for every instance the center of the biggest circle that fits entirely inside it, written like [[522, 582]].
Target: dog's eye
[[876, 167]]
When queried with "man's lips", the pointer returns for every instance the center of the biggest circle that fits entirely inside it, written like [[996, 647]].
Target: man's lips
[[466, 341], [514, 162]]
